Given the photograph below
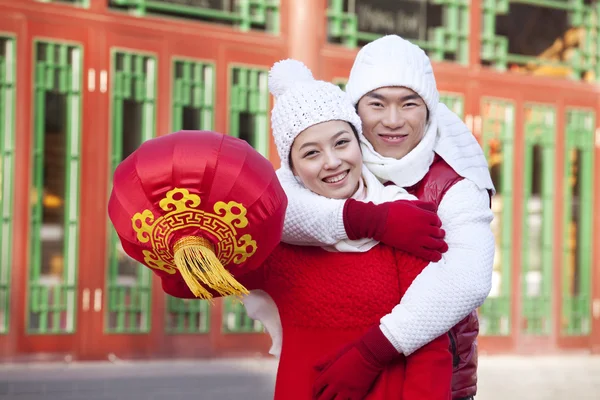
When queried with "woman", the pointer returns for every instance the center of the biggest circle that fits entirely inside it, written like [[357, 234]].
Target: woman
[[332, 296]]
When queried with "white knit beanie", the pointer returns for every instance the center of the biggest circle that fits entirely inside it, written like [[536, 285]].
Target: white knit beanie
[[393, 61], [301, 102]]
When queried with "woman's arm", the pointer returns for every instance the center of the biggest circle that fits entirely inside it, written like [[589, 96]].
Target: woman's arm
[[447, 291]]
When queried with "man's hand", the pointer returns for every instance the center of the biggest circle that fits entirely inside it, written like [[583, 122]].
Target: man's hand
[[350, 375], [411, 226]]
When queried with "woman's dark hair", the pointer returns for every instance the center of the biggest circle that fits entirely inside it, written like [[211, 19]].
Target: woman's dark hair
[[353, 131]]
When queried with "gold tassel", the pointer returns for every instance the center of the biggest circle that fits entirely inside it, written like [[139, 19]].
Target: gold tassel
[[198, 264]]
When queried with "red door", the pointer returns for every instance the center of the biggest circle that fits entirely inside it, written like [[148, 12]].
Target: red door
[[497, 122], [125, 305], [578, 306]]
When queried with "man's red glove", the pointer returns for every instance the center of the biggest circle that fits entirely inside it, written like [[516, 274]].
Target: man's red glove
[[411, 226], [351, 373]]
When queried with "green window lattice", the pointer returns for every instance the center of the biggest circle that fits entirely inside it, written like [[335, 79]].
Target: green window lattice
[[498, 144], [581, 43], [235, 319], [244, 14], [55, 191], [133, 115], [193, 95], [455, 102], [537, 252], [7, 162], [187, 316], [249, 107], [440, 27], [578, 222]]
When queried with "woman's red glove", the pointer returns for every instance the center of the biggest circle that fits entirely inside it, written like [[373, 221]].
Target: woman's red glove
[[351, 373], [411, 226]]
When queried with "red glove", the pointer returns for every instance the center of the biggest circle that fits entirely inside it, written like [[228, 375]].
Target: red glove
[[351, 373], [411, 226]]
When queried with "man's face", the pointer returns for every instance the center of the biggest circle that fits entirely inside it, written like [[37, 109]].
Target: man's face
[[393, 120]]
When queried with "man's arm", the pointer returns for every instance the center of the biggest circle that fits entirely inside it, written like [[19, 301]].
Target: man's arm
[[313, 220], [310, 219], [447, 291]]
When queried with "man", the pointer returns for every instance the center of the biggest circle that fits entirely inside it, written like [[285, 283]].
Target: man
[[414, 142]]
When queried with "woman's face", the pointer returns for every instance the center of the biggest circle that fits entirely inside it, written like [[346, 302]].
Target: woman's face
[[327, 159]]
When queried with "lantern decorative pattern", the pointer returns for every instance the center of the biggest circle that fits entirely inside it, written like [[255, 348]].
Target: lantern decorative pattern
[[183, 212]]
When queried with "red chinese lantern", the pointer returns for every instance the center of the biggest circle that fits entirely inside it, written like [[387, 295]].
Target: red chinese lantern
[[198, 203]]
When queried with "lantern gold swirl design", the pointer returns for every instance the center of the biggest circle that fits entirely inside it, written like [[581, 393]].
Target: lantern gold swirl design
[[195, 257]]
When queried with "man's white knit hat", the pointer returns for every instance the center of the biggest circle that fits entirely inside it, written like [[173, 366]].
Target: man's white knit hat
[[301, 102], [393, 61]]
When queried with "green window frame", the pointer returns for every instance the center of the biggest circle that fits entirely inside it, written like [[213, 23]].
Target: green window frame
[[538, 210], [586, 58], [245, 15], [52, 297], [455, 102], [450, 40], [578, 226], [189, 316], [7, 162], [129, 284], [498, 145], [236, 320], [249, 106], [193, 95]]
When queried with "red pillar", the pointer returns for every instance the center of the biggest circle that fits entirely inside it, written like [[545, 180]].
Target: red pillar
[[306, 27]]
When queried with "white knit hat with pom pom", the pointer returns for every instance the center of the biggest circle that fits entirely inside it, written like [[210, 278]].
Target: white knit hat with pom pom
[[301, 102]]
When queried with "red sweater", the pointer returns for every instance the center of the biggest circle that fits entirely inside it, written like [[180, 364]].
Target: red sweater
[[329, 299]]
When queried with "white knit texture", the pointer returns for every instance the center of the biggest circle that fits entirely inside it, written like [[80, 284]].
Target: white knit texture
[[301, 102], [393, 61], [310, 219], [447, 291]]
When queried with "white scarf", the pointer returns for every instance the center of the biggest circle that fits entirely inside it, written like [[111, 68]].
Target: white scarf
[[448, 136], [408, 170]]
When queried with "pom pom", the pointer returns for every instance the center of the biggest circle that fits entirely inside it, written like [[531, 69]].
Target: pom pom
[[284, 74]]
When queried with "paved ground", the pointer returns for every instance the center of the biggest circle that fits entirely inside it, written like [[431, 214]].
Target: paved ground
[[501, 378]]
